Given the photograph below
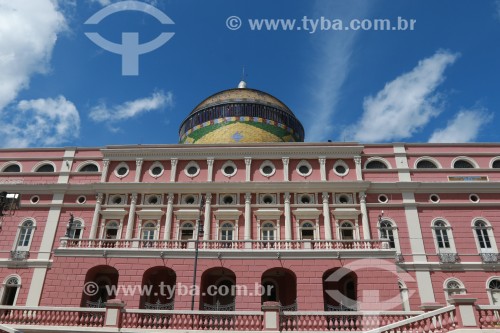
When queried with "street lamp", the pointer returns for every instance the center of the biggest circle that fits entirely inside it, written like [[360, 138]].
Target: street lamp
[[198, 233], [9, 203]]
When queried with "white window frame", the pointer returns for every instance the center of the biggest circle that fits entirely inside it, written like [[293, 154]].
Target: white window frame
[[119, 166], [489, 290], [380, 159], [427, 158], [394, 229], [39, 164], [189, 165], [182, 227], [465, 158], [405, 295], [8, 164], [449, 232], [154, 229], [314, 228], [275, 228], [81, 227], [230, 164], [154, 165], [220, 228], [355, 230], [269, 164], [489, 232], [4, 287], [462, 290], [304, 163], [493, 160], [119, 229], [18, 234], [82, 164], [341, 163]]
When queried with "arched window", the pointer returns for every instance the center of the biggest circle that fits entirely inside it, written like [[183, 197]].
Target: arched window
[[482, 234], [268, 231], [426, 164], [89, 168], [10, 290], [45, 168], [346, 231], [148, 231], [387, 232], [186, 231], [76, 230], [226, 232], [454, 287], [25, 235], [12, 168], [494, 291], [463, 164], [496, 164], [111, 230], [441, 233], [376, 164], [405, 298], [307, 231]]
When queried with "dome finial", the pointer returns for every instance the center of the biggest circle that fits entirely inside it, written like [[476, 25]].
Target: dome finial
[[242, 84]]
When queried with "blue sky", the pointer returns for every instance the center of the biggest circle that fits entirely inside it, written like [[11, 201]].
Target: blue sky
[[439, 82]]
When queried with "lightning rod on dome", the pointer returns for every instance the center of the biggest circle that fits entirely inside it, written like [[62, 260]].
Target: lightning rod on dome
[[242, 83]]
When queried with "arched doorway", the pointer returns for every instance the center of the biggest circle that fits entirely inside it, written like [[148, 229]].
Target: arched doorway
[[159, 283], [340, 290], [100, 282], [280, 285], [218, 290]]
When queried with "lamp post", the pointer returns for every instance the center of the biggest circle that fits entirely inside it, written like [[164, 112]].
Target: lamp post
[[199, 233]]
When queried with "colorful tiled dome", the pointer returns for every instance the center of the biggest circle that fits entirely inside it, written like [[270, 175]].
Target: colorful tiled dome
[[241, 115]]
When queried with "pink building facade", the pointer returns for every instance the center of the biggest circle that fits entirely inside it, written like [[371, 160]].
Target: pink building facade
[[342, 236]]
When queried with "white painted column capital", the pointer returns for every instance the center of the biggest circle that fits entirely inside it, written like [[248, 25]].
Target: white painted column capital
[[248, 164], [357, 162], [210, 169], [105, 168], [208, 217], [95, 218], [288, 217], [286, 161], [326, 216], [322, 167], [168, 217], [131, 217], [364, 216], [173, 169], [138, 169]]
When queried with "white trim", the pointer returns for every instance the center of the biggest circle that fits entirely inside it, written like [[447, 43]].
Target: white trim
[[189, 165], [123, 198], [493, 161], [461, 290], [229, 164], [4, 283], [394, 229], [82, 226], [84, 163], [349, 196], [181, 227], [155, 228], [341, 163], [41, 163], [121, 165], [449, 233], [304, 163], [233, 196], [465, 158], [383, 201], [299, 196], [377, 158], [18, 234], [276, 234], [147, 197], [314, 229], [33, 197], [154, 165], [428, 158], [263, 165], [473, 194], [234, 229], [354, 227], [438, 198], [272, 195], [488, 290], [489, 231], [405, 296], [105, 227], [8, 164]]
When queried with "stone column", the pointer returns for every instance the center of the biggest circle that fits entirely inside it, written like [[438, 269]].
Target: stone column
[[173, 169], [168, 217], [248, 170], [364, 216], [210, 171], [138, 169], [208, 217], [322, 168], [248, 220], [105, 167], [288, 217], [326, 216], [131, 217], [95, 218], [285, 160], [357, 161]]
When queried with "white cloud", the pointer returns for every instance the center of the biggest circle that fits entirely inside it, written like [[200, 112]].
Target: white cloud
[[405, 105], [332, 63], [41, 122], [463, 128], [28, 33], [127, 110]]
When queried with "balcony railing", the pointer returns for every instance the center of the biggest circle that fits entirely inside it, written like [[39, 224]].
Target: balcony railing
[[449, 258], [49, 316], [224, 245], [19, 255], [489, 258], [489, 316]]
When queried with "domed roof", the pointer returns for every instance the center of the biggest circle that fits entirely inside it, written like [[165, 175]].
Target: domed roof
[[241, 115]]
